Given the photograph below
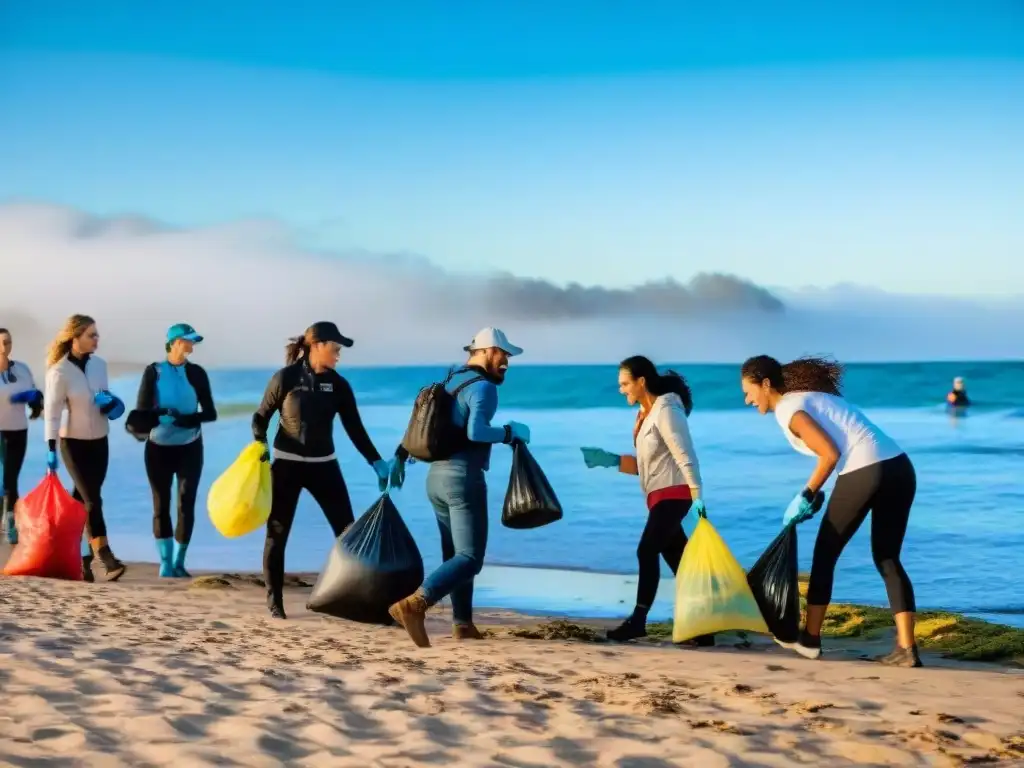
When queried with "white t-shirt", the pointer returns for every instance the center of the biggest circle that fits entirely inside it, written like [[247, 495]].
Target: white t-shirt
[[13, 416], [859, 441]]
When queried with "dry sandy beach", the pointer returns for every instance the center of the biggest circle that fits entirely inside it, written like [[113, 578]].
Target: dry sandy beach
[[144, 673]]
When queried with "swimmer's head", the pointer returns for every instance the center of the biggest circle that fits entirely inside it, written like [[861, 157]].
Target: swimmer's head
[[958, 383]]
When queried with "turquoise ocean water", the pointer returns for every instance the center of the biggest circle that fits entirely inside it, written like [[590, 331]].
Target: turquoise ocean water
[[964, 549]]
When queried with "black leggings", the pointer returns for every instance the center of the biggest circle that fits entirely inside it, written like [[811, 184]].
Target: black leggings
[[662, 537], [886, 489], [289, 478], [12, 450], [163, 464], [87, 462]]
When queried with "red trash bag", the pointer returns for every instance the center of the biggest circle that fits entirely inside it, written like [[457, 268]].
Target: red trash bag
[[50, 526]]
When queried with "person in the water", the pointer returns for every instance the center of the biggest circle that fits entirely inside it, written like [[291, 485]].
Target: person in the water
[[957, 397]]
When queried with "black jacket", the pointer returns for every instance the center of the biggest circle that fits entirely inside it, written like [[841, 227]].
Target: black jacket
[[308, 403]]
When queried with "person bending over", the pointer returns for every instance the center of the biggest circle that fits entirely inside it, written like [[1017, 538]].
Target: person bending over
[[17, 391], [76, 381], [874, 475], [309, 394], [175, 394], [457, 488], [669, 472]]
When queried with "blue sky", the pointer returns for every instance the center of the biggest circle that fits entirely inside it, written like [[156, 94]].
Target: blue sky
[[862, 143]]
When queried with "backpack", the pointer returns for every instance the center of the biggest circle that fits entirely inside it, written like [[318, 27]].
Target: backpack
[[432, 434]]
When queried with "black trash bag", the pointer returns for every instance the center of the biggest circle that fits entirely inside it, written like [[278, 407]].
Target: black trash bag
[[140, 423], [529, 502], [773, 580], [372, 565]]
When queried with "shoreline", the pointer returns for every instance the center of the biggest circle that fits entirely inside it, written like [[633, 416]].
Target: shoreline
[[852, 632]]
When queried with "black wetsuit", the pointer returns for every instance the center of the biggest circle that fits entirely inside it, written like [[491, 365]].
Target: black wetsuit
[[958, 398], [304, 446]]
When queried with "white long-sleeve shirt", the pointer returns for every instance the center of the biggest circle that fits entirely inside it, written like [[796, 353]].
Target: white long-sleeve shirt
[[665, 456], [70, 388], [12, 415]]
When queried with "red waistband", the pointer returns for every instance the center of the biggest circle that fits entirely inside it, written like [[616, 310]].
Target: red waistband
[[673, 492]]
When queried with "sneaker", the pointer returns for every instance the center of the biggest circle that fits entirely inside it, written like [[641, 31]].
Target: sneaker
[[113, 569], [807, 645], [277, 611], [411, 615], [901, 657], [630, 629], [87, 569]]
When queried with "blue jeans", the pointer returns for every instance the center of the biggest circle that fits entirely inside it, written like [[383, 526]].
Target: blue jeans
[[459, 495]]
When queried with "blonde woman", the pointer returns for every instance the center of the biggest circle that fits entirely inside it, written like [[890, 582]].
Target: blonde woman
[[76, 381]]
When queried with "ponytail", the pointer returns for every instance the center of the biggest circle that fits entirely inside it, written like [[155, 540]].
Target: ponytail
[[669, 382], [297, 348], [805, 374]]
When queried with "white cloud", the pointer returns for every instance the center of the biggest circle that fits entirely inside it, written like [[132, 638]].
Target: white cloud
[[249, 285]]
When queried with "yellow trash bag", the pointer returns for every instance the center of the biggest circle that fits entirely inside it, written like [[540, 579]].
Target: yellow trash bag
[[712, 594], [239, 500]]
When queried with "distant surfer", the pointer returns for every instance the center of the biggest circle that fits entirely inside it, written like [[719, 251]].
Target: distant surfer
[[957, 398]]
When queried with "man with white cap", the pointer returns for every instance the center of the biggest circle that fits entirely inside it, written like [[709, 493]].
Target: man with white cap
[[457, 488]]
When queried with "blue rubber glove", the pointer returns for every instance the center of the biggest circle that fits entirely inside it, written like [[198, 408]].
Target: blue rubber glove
[[51, 460], [397, 472], [110, 405], [698, 507], [28, 397], [383, 470], [519, 431], [599, 457], [802, 508]]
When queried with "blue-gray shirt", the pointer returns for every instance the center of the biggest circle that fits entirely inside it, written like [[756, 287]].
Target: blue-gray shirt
[[475, 406]]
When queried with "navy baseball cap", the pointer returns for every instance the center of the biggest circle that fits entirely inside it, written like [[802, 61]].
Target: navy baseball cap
[[183, 331], [325, 331]]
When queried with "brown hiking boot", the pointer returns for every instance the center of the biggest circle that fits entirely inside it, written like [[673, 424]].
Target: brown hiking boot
[[466, 632], [411, 614], [113, 569]]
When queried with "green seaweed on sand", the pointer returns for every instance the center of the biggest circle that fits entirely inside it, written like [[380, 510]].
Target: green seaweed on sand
[[950, 635], [559, 629]]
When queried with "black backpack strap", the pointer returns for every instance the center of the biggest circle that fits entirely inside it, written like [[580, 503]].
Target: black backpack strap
[[452, 372], [463, 385]]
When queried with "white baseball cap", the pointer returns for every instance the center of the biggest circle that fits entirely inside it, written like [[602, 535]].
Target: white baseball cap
[[486, 338]]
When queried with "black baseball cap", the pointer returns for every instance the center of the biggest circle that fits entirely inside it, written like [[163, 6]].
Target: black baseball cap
[[326, 331]]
